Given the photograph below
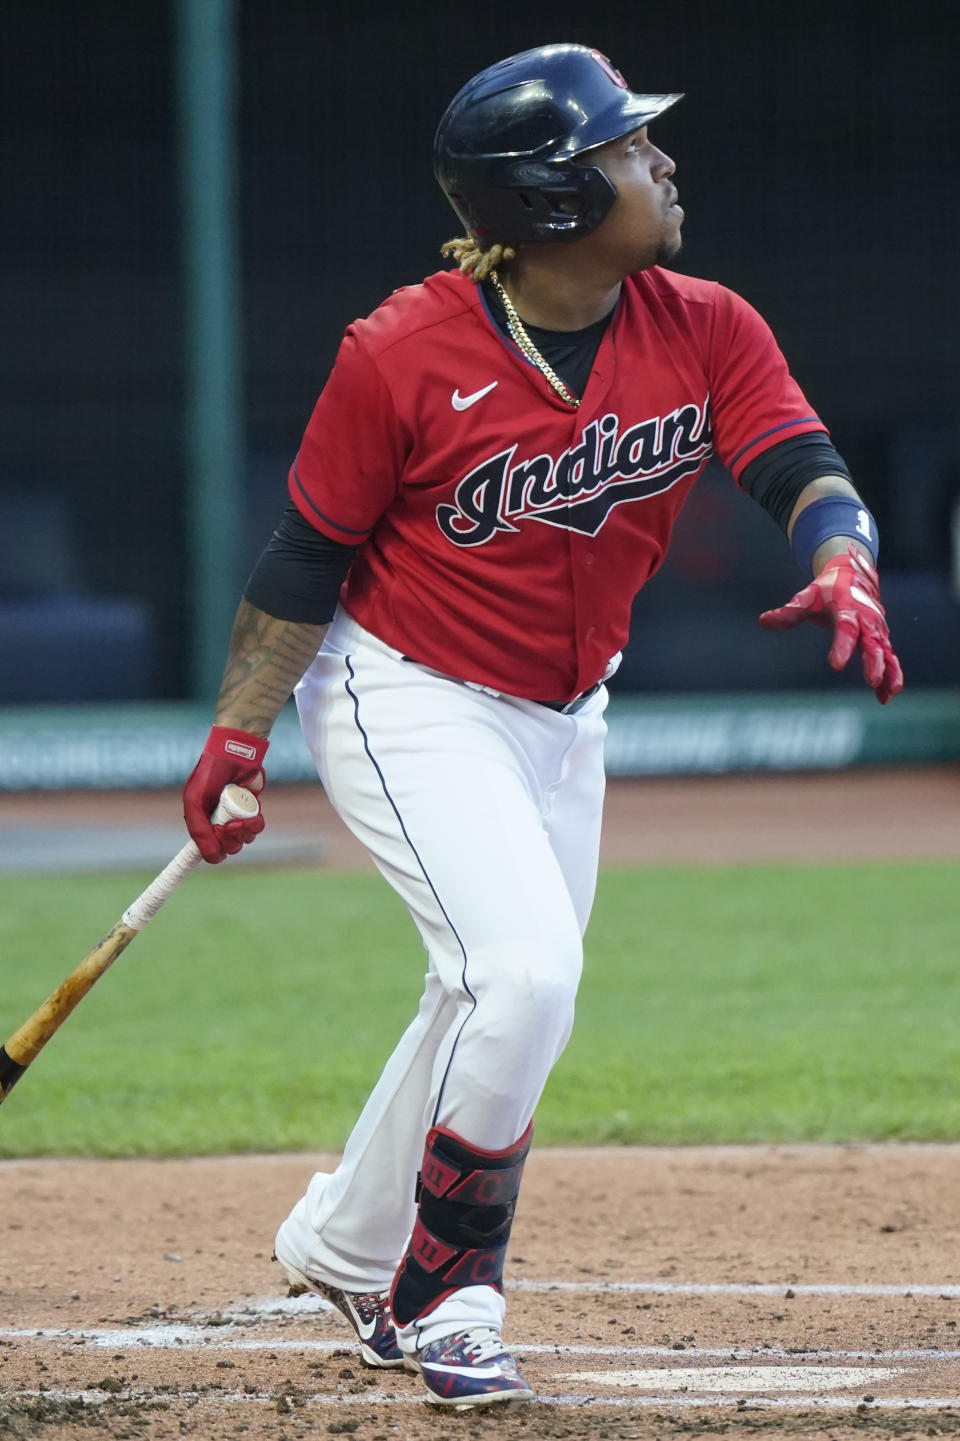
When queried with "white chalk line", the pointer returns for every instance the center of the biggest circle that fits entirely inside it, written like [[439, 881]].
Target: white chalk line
[[739, 1380], [218, 1338], [945, 1291], [736, 1288], [670, 1399]]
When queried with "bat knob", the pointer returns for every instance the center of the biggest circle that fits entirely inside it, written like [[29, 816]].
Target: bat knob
[[236, 804]]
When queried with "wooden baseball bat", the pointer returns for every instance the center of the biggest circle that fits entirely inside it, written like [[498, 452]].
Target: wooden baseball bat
[[25, 1044]]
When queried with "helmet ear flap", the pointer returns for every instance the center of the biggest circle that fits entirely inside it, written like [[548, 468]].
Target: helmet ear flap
[[570, 201], [580, 198]]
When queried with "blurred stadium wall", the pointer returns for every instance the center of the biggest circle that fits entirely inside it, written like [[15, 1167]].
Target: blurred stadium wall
[[820, 177]]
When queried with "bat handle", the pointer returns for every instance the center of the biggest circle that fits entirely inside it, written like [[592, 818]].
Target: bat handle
[[236, 803], [27, 1042]]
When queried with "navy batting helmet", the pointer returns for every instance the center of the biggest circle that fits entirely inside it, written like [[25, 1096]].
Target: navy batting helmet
[[506, 150]]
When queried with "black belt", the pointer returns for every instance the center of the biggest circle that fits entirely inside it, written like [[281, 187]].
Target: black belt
[[570, 707], [564, 707]]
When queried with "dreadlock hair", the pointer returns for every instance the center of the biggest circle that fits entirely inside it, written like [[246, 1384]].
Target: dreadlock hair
[[475, 261]]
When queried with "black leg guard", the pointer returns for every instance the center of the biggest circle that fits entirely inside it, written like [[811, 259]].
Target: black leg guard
[[464, 1214]]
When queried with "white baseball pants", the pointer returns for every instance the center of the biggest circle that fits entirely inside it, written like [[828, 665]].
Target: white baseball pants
[[483, 812]]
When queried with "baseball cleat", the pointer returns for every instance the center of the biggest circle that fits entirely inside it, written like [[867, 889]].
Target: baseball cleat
[[367, 1311], [468, 1369]]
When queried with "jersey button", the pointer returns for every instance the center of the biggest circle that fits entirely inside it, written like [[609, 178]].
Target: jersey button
[[589, 559]]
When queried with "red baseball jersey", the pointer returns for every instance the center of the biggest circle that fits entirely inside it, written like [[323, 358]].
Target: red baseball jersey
[[503, 535]]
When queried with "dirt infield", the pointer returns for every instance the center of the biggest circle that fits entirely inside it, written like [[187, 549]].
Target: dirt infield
[[738, 1291], [762, 1292]]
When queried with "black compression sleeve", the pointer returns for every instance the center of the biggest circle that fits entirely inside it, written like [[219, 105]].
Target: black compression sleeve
[[300, 572], [776, 478]]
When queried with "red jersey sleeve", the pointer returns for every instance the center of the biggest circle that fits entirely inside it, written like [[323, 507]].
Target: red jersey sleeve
[[754, 400], [351, 458]]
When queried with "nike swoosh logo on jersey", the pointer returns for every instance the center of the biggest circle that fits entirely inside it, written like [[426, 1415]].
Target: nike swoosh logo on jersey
[[464, 402]]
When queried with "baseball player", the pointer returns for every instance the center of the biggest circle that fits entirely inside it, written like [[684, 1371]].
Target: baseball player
[[490, 474]]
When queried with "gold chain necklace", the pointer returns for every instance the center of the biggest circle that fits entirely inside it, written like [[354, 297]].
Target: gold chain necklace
[[522, 339]]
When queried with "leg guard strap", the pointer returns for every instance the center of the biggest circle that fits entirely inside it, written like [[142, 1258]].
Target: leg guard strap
[[464, 1214], [479, 1266]]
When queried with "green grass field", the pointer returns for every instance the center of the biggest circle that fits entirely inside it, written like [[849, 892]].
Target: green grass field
[[762, 1003]]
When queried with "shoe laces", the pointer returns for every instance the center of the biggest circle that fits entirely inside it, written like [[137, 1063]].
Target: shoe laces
[[482, 1344]]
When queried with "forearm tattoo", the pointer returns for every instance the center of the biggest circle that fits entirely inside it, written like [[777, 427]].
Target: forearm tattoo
[[266, 659]]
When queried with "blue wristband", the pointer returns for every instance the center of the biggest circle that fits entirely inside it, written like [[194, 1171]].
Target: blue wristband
[[832, 515]]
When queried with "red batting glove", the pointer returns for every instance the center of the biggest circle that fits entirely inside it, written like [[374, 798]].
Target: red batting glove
[[846, 595], [229, 757]]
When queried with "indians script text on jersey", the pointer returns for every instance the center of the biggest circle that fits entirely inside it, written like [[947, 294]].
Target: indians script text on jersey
[[503, 535]]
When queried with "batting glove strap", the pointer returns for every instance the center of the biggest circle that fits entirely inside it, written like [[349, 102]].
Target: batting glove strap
[[228, 743]]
